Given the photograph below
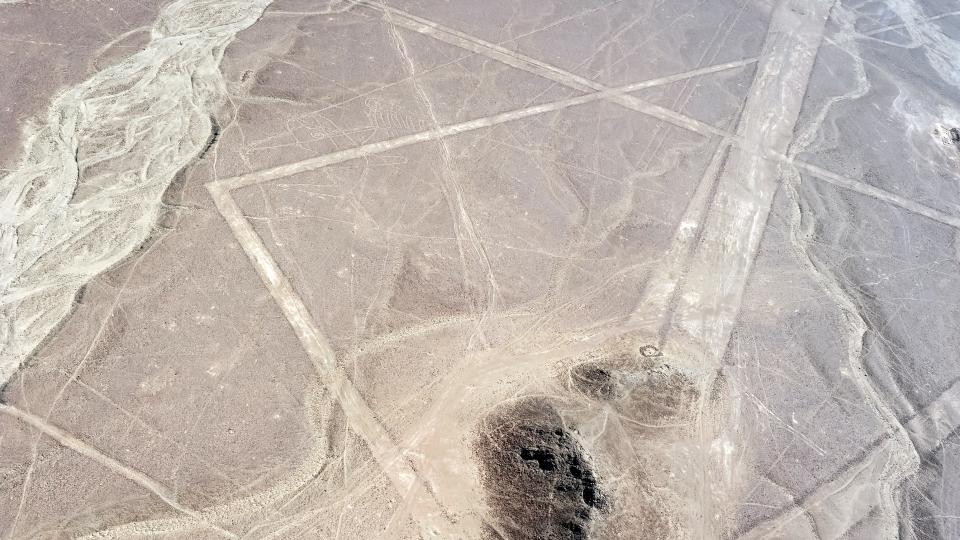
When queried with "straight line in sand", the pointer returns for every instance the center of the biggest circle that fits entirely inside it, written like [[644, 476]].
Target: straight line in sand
[[692, 301], [756, 156], [540, 68], [577, 82], [835, 505], [318, 162], [361, 418], [69, 441], [882, 195], [619, 95], [730, 232], [899, 26]]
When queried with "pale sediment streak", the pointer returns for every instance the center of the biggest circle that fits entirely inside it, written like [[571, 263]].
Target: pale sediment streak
[[89, 187], [938, 47]]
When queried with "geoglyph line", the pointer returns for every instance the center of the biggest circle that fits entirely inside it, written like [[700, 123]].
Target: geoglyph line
[[311, 164], [899, 26], [703, 282], [758, 158], [69, 441], [787, 65], [936, 422], [882, 195], [571, 80], [836, 505], [27, 203], [653, 310], [361, 418], [866, 486], [710, 297], [319, 406], [576, 82], [420, 503], [540, 68], [89, 186]]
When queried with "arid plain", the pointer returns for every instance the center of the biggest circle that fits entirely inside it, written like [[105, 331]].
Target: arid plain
[[498, 270]]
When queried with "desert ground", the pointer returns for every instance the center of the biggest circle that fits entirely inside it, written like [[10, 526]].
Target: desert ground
[[446, 269]]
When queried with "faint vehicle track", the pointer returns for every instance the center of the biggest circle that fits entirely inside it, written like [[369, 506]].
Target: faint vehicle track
[[438, 131], [469, 243], [893, 458], [571, 80], [760, 160], [153, 486], [389, 456], [837, 505], [89, 188], [700, 290]]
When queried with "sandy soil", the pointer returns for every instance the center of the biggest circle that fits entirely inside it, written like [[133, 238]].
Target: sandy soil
[[433, 269]]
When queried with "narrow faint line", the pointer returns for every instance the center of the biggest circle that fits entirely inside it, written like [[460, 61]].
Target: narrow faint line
[[577, 82], [880, 194], [618, 95], [143, 423], [814, 171], [540, 68], [297, 313], [942, 413], [453, 193], [899, 26], [822, 494], [69, 441], [74, 375], [314, 163], [476, 124]]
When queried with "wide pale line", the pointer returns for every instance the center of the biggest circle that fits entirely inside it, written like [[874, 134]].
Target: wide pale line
[[842, 495], [361, 418], [576, 82], [701, 295], [470, 125], [541, 69], [571, 80], [720, 266], [877, 193], [84, 449]]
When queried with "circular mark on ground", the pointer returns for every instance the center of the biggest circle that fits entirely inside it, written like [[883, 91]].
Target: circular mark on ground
[[649, 351]]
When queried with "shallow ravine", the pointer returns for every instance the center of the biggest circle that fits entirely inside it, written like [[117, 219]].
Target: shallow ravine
[[89, 188]]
